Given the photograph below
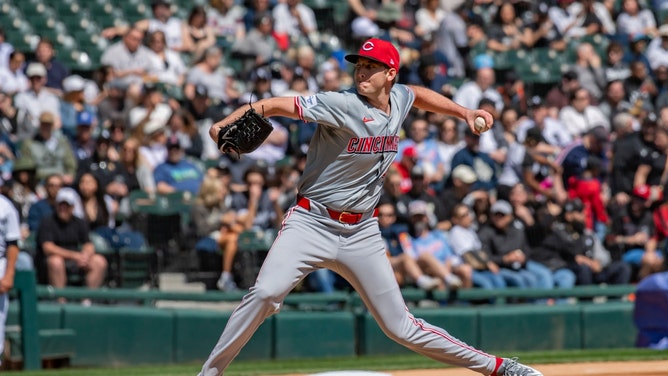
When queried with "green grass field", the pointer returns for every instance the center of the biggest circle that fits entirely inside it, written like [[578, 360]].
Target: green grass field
[[385, 363]]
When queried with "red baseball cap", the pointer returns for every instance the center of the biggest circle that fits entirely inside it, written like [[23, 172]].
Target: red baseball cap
[[378, 50]]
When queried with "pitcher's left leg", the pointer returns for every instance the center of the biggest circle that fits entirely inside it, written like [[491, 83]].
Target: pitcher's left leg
[[363, 262]]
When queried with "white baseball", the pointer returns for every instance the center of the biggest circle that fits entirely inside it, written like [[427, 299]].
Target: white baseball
[[480, 124]]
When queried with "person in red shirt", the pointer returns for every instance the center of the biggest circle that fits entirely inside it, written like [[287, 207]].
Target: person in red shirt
[[405, 164]]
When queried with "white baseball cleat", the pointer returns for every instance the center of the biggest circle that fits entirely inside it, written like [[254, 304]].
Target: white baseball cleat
[[511, 367]]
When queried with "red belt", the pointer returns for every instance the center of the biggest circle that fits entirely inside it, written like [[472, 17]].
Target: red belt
[[343, 217]]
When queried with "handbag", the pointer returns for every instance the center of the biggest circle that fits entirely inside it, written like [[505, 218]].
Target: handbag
[[477, 258]]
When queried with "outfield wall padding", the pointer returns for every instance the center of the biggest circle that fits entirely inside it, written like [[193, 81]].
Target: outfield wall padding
[[196, 332], [314, 334]]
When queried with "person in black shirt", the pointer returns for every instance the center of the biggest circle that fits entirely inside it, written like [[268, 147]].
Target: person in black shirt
[[65, 248], [582, 250]]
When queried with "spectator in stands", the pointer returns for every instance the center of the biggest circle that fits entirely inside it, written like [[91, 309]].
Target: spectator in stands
[[559, 96], [614, 65], [399, 250], [657, 51], [153, 130], [73, 106], [420, 190], [45, 206], [257, 206], [6, 48], [404, 165], [168, 65], [99, 209], [656, 249], [83, 143], [64, 246], [449, 143], [539, 171], [614, 101], [225, 17], [392, 192], [201, 33], [574, 158], [23, 186], [463, 177], [580, 115], [12, 78], [627, 153], [216, 227], [541, 32], [107, 168], [255, 10], [589, 68], [174, 28], [631, 229], [504, 32], [182, 124], [633, 19], [37, 99], [637, 51], [470, 93], [56, 71], [136, 175], [176, 174], [553, 132], [206, 72], [432, 251], [482, 163], [586, 256], [652, 172], [455, 34], [287, 177], [506, 242], [130, 59], [426, 148], [428, 19], [115, 104], [50, 151], [640, 89], [466, 244], [259, 46]]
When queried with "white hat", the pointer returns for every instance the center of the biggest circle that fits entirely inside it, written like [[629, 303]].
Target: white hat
[[158, 119], [501, 206], [663, 30], [73, 83], [464, 173], [67, 195], [36, 69], [417, 207]]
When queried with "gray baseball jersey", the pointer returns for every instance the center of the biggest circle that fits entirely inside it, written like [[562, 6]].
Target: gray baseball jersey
[[354, 145]]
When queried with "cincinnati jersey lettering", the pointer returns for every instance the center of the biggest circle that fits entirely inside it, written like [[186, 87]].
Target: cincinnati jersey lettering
[[373, 145]]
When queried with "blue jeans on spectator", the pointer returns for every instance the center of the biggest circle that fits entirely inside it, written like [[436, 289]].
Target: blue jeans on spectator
[[543, 275], [563, 278], [521, 278], [601, 230], [488, 280], [322, 280], [616, 273], [634, 256]]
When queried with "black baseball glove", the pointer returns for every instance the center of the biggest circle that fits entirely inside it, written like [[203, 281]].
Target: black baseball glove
[[245, 134]]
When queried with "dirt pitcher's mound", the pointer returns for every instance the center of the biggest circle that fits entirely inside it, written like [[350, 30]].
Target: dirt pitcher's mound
[[644, 368], [632, 368]]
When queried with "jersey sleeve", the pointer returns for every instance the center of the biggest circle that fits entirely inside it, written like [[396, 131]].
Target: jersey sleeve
[[326, 108]]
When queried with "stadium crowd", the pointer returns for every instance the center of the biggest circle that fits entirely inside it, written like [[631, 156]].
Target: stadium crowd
[[566, 189]]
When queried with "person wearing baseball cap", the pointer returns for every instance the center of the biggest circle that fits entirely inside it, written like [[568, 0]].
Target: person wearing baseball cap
[[349, 158], [378, 50]]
